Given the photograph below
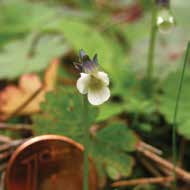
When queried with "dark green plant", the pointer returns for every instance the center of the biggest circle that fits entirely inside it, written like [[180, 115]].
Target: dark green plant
[[110, 146]]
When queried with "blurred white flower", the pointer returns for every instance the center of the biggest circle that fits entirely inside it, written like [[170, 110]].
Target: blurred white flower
[[92, 82], [165, 20]]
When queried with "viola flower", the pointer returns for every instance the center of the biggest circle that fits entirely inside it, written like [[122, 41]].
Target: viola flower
[[165, 20], [92, 82]]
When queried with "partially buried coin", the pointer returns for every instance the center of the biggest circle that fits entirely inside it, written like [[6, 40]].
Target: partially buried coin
[[48, 162]]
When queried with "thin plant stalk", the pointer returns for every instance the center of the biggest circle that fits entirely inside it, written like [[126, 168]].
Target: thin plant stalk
[[174, 143], [86, 143], [152, 43], [86, 3]]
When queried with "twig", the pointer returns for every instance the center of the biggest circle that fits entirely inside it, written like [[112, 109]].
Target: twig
[[150, 148], [5, 155], [152, 169], [15, 127], [12, 144], [3, 167], [4, 147], [142, 181], [166, 164], [4, 139], [6, 151]]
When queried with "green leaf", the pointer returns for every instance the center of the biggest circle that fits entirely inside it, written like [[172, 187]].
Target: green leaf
[[120, 163], [118, 136], [110, 146], [81, 35], [112, 172], [168, 101], [21, 16], [109, 110], [15, 59], [62, 115]]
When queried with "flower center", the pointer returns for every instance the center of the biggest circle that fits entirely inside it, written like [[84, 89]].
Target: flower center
[[95, 83]]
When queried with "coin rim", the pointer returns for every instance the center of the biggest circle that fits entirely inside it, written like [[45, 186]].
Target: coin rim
[[32, 141]]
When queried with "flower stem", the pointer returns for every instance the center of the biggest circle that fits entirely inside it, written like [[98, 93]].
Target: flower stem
[[86, 3], [152, 43], [174, 143], [86, 142]]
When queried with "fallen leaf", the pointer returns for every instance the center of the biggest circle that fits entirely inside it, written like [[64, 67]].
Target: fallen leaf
[[28, 94]]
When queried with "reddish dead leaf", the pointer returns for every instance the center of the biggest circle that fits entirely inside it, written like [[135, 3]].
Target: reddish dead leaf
[[129, 14], [13, 97]]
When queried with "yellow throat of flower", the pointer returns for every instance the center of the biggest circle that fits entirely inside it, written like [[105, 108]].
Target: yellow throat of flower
[[95, 83]]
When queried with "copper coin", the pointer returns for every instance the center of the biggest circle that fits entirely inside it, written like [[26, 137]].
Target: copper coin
[[48, 162]]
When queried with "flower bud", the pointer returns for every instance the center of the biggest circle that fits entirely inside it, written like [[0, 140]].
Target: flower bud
[[163, 3], [86, 64], [165, 20], [92, 82]]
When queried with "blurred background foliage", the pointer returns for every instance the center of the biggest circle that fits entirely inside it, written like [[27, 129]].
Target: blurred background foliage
[[33, 33]]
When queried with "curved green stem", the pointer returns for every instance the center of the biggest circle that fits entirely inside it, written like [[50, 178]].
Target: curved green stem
[[86, 142], [174, 143], [152, 43]]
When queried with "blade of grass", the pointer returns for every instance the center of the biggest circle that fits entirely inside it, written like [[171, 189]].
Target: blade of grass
[[180, 85]]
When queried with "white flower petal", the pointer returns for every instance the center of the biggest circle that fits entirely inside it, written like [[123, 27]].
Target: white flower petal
[[82, 83], [98, 97], [104, 77]]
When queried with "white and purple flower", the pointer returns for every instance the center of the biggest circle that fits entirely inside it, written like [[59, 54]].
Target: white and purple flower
[[92, 82]]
